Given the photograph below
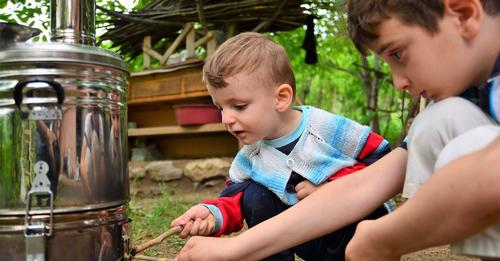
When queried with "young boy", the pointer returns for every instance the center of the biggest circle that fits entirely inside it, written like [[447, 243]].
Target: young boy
[[288, 153], [436, 49]]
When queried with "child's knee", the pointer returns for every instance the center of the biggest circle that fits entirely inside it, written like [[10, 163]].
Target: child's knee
[[445, 120], [259, 204], [255, 193], [468, 142]]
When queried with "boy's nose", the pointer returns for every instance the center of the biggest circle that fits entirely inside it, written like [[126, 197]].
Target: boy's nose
[[228, 118], [401, 83]]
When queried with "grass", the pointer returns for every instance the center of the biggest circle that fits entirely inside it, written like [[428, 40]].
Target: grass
[[152, 216]]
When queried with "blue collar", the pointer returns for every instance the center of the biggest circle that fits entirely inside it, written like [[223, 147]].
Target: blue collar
[[496, 68], [482, 96]]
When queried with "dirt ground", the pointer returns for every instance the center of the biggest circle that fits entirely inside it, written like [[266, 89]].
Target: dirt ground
[[187, 190]]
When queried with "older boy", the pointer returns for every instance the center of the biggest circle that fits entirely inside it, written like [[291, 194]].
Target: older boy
[[463, 45], [436, 49], [289, 151]]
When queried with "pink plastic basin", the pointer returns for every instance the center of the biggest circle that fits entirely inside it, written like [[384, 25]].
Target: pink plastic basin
[[196, 114]]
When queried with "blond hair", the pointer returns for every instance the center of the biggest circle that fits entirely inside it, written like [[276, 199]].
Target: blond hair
[[248, 52]]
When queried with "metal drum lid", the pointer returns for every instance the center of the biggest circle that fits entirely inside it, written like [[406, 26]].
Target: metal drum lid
[[50, 52]]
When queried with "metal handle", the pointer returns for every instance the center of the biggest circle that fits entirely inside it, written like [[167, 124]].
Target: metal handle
[[18, 89]]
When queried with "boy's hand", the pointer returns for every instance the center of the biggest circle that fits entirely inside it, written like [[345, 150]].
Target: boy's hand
[[364, 247], [305, 188], [197, 221], [206, 248]]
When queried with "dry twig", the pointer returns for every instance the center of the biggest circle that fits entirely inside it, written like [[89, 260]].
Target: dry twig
[[141, 257], [156, 241]]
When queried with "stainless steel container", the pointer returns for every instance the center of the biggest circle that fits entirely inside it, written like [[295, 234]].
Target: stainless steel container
[[88, 236], [63, 143], [63, 107]]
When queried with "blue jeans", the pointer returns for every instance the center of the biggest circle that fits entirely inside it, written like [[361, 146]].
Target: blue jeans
[[260, 204]]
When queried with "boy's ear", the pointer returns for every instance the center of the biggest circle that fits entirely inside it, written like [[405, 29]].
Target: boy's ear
[[283, 97], [469, 13]]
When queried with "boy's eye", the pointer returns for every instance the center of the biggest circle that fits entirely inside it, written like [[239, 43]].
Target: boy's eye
[[396, 55], [240, 107]]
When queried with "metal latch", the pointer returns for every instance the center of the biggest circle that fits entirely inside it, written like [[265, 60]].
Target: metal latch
[[36, 231]]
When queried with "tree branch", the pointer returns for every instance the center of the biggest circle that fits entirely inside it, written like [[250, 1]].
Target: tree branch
[[156, 241]]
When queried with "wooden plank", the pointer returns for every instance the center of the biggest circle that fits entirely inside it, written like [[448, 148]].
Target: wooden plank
[[197, 146], [193, 82], [168, 98], [210, 35], [212, 44], [146, 44], [152, 115], [156, 87], [170, 130], [148, 51], [190, 43]]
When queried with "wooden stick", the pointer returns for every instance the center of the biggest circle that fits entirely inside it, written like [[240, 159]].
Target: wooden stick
[[141, 257], [156, 241]]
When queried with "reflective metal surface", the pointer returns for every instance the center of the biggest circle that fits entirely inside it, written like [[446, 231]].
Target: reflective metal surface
[[63, 142], [98, 235], [72, 116], [73, 21]]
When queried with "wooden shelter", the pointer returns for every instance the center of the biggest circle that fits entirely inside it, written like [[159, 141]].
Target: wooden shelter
[[164, 28]]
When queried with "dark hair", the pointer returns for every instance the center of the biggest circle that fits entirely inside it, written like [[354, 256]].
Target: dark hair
[[365, 15], [248, 52]]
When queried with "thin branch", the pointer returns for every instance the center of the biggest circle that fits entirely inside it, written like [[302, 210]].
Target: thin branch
[[380, 73], [342, 69], [141, 257], [156, 241]]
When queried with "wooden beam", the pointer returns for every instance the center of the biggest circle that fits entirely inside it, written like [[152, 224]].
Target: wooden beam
[[170, 130], [187, 28], [190, 43], [168, 98], [201, 15], [212, 44], [204, 39], [146, 44], [151, 52], [231, 30]]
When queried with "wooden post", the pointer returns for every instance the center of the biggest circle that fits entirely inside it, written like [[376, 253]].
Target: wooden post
[[212, 43], [190, 43], [146, 60], [231, 30]]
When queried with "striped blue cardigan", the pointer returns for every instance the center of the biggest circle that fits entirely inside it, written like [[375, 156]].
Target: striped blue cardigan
[[329, 143]]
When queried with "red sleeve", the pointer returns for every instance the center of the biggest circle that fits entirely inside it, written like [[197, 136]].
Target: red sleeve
[[366, 156], [372, 143], [346, 171], [230, 208]]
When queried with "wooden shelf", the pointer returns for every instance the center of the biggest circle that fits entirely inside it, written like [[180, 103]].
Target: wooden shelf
[[168, 98], [171, 130]]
